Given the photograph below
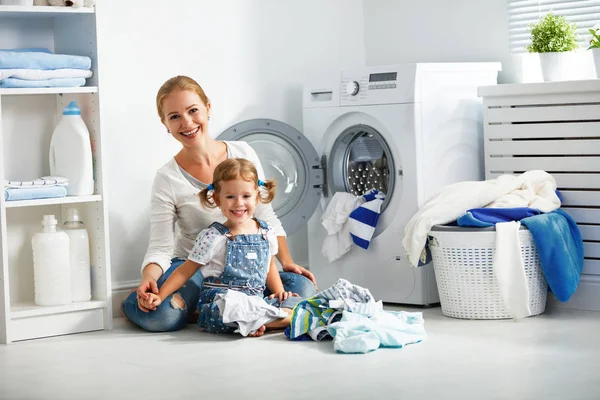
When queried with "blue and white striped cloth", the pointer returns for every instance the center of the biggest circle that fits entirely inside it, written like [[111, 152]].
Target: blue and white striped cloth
[[363, 219]]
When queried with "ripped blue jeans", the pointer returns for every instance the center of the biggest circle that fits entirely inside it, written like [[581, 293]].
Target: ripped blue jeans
[[169, 316]]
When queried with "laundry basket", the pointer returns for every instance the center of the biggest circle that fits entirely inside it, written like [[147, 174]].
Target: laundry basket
[[462, 260]]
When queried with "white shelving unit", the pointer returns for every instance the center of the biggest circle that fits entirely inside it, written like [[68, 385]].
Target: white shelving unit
[[27, 120]]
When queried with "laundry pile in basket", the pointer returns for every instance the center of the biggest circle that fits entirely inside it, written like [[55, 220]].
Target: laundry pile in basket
[[507, 202]]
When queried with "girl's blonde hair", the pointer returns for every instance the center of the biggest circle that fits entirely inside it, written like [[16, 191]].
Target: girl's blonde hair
[[180, 82], [233, 169]]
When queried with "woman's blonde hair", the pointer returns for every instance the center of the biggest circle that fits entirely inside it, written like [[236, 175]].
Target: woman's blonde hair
[[233, 169], [179, 82]]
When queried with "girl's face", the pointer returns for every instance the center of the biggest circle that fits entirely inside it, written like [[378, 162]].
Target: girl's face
[[237, 200], [185, 116]]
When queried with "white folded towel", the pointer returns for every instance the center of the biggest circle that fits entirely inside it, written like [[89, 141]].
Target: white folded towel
[[36, 183], [42, 74]]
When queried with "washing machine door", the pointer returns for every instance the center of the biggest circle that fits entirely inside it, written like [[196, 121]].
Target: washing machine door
[[290, 159]]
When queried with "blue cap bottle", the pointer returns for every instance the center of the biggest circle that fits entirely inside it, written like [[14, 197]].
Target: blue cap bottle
[[72, 109]]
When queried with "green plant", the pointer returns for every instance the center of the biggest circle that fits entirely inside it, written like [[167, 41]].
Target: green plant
[[552, 34], [595, 40]]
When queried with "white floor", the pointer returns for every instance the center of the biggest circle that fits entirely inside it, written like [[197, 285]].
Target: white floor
[[552, 356]]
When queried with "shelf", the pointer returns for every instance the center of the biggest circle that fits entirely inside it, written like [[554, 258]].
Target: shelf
[[26, 310], [53, 90], [61, 200], [41, 11]]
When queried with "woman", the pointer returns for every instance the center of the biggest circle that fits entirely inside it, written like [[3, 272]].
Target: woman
[[177, 216]]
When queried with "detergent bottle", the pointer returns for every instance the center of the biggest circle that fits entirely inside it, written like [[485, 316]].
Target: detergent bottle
[[71, 152], [79, 254]]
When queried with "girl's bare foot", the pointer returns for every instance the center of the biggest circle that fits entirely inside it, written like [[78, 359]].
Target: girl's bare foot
[[259, 332]]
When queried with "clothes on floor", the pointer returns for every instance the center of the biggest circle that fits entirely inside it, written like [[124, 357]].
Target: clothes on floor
[[356, 322]]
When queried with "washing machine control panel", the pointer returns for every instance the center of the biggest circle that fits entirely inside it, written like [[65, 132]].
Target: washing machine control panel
[[352, 88], [392, 84]]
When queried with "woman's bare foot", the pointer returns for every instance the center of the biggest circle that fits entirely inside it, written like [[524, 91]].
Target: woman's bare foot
[[259, 332]]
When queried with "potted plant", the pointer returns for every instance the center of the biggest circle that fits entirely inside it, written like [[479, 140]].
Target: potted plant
[[595, 47], [552, 37]]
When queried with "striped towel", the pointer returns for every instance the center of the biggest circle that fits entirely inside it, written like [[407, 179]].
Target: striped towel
[[44, 181], [363, 219]]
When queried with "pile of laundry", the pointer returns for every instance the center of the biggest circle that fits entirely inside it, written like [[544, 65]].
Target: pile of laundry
[[350, 219], [531, 199], [38, 68], [43, 188], [357, 323]]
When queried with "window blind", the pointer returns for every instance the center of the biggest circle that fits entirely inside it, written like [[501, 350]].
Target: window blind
[[522, 13]]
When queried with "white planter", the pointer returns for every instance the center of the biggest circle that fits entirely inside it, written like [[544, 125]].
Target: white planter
[[596, 54], [554, 66]]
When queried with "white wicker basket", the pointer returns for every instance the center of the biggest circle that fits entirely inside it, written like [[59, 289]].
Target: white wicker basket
[[462, 260]]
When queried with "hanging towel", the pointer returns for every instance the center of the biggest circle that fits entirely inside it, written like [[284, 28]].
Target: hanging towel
[[560, 248], [42, 60], [363, 219], [335, 221], [41, 74], [44, 181], [58, 82], [13, 194]]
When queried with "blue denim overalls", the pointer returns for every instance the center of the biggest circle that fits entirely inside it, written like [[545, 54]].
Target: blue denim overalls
[[246, 266]]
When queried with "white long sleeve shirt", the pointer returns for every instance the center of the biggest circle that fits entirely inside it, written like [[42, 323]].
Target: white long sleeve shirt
[[177, 217]]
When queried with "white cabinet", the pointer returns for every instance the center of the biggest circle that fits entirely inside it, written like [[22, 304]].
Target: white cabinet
[[27, 119], [553, 126]]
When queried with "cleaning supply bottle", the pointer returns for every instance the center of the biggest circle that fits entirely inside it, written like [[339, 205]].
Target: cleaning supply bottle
[[79, 250], [71, 152], [51, 269]]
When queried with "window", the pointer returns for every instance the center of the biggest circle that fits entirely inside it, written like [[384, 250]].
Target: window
[[522, 13]]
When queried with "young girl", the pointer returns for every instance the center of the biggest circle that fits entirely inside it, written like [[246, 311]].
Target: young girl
[[236, 255]]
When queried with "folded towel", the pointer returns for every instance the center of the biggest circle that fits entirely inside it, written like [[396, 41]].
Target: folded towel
[[12, 194], [560, 248], [41, 74], [482, 217], [58, 82], [363, 219], [31, 49], [44, 181], [534, 189], [42, 60]]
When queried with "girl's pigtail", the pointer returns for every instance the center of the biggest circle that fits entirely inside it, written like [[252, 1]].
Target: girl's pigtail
[[267, 194], [206, 198]]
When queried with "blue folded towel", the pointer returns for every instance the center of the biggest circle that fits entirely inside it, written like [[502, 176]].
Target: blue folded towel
[[54, 82], [560, 248], [363, 219], [42, 60], [482, 217], [32, 49], [12, 194]]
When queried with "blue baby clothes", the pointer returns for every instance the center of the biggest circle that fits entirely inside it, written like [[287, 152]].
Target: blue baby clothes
[[483, 217], [363, 219], [357, 333]]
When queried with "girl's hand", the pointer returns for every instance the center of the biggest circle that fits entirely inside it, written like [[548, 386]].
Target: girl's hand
[[281, 296], [154, 300], [147, 287]]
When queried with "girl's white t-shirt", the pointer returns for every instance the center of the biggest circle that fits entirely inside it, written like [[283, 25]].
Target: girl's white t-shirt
[[209, 250]]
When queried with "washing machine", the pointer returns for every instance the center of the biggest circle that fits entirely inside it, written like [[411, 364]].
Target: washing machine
[[406, 130]]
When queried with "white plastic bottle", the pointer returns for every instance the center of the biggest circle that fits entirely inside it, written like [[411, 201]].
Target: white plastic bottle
[[71, 152], [51, 269], [79, 250]]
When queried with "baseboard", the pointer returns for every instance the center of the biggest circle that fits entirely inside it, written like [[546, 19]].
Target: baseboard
[[120, 290], [587, 296]]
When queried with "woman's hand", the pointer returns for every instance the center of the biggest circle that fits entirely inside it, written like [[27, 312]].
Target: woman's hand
[[143, 291], [296, 269], [281, 296]]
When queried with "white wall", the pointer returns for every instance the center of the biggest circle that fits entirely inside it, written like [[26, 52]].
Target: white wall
[[251, 57], [398, 31]]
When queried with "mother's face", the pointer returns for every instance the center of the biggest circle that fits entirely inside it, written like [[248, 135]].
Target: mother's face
[[185, 116]]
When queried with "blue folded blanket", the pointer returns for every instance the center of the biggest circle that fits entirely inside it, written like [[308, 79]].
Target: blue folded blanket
[[11, 194], [54, 82], [483, 217], [42, 60], [560, 248]]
